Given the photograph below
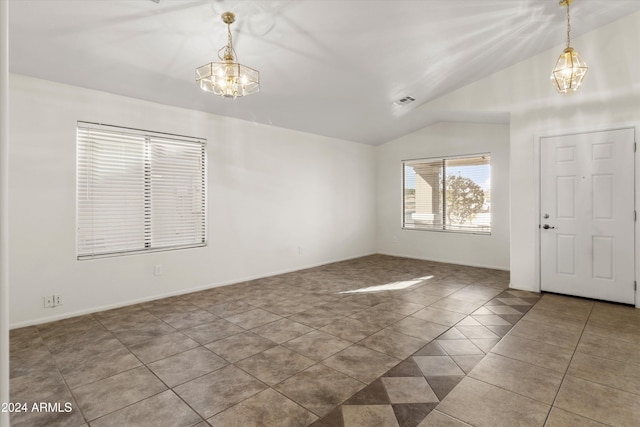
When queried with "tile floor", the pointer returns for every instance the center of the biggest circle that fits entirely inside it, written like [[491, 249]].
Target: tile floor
[[376, 341]]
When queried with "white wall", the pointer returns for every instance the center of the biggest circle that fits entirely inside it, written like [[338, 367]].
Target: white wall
[[445, 139], [609, 97], [271, 190], [4, 211]]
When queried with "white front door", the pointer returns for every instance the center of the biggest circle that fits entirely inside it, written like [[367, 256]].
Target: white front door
[[587, 215]]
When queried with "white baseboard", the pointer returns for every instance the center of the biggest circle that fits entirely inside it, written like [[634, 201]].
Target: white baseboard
[[76, 313], [444, 261]]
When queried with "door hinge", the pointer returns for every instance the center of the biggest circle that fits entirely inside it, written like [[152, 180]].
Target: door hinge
[[635, 285], [635, 215], [635, 147]]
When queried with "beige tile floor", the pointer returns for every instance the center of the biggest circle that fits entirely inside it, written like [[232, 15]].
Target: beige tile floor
[[376, 341]]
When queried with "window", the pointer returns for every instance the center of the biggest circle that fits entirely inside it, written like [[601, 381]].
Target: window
[[448, 194], [138, 191]]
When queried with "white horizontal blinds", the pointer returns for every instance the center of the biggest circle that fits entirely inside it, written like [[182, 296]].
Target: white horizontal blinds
[[448, 194], [110, 200], [138, 191], [177, 193]]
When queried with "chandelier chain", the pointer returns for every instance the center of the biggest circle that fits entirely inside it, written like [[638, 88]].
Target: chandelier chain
[[228, 53], [568, 26], [570, 69]]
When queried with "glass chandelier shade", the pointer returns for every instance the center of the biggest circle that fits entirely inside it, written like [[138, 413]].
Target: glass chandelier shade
[[227, 77], [570, 69]]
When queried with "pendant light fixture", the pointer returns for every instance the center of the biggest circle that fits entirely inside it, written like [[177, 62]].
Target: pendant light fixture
[[570, 68], [227, 77]]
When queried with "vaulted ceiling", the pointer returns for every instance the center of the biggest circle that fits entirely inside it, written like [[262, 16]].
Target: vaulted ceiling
[[328, 67]]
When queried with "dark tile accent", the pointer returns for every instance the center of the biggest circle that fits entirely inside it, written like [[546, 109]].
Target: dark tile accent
[[406, 368], [373, 394], [522, 308], [412, 414], [431, 349], [333, 419], [500, 330], [442, 385], [511, 318]]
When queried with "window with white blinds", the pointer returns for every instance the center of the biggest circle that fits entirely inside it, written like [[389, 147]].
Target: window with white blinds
[[448, 194], [138, 191]]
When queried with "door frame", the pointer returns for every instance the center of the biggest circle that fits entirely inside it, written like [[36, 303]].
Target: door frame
[[537, 141]]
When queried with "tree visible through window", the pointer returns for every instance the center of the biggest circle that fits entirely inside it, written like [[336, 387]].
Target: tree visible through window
[[448, 194]]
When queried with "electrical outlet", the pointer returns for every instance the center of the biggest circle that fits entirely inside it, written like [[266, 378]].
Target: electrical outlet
[[57, 300], [48, 301], [299, 250], [158, 270]]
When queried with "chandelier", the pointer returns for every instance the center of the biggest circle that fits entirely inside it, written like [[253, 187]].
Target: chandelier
[[570, 68], [227, 77]]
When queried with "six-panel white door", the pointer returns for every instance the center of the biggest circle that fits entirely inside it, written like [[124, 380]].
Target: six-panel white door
[[587, 215]]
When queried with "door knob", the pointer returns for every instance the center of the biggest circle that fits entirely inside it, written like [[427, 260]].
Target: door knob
[[547, 226]]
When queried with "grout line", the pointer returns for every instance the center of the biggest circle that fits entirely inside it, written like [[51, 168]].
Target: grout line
[[553, 404], [364, 308], [444, 332]]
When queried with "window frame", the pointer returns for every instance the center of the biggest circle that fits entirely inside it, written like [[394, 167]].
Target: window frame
[[146, 210], [443, 228]]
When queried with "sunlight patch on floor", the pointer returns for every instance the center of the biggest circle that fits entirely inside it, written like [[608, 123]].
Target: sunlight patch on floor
[[394, 286]]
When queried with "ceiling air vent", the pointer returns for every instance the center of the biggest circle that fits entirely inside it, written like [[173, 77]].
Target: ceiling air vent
[[405, 100]]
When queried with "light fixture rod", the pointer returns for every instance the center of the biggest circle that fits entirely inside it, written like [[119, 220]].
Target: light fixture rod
[[568, 24], [570, 68], [229, 53]]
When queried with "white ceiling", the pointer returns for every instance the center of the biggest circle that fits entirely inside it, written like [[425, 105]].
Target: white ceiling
[[327, 67]]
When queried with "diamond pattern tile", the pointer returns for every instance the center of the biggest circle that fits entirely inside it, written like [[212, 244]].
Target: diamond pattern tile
[[457, 349]]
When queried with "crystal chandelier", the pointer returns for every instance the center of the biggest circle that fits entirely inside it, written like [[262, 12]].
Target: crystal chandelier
[[570, 68], [227, 77]]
